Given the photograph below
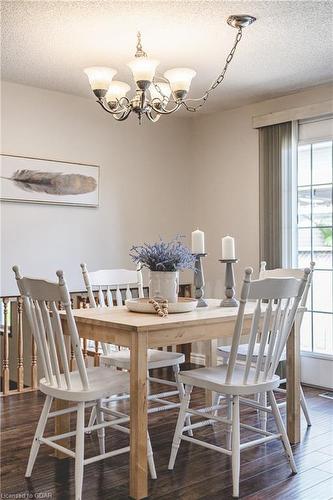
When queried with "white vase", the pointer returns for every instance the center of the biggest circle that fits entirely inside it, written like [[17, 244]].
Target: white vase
[[164, 285]]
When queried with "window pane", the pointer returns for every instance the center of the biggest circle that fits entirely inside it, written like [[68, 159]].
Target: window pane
[[322, 162], [322, 333], [322, 247], [314, 233], [304, 207], [322, 205], [322, 291], [304, 165], [306, 333], [304, 247]]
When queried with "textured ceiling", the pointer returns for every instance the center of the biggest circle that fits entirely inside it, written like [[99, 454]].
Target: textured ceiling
[[48, 43]]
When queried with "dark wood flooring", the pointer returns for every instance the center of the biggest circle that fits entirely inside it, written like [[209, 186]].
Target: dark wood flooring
[[199, 473]]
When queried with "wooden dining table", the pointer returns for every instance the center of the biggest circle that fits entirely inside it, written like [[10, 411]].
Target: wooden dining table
[[140, 332]]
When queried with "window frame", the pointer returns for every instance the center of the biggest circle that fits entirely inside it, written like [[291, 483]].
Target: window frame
[[290, 204]]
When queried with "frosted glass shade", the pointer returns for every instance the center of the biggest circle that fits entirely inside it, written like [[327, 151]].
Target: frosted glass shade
[[116, 91], [163, 95], [100, 77], [143, 69], [180, 78]]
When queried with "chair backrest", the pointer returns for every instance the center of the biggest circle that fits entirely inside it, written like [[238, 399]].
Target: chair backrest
[[277, 301], [292, 273], [105, 280], [40, 301]]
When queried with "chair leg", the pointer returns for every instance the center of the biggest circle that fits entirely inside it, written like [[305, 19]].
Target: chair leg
[[79, 451], [282, 431], [100, 432], [92, 418], [263, 414], [151, 463], [262, 400], [38, 434], [179, 427], [235, 448], [181, 391], [216, 402], [229, 417], [305, 407]]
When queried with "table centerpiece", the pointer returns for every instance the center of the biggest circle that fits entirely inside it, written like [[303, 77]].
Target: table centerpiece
[[164, 261]]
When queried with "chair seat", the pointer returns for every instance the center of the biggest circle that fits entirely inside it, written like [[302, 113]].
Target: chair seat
[[103, 383], [224, 351], [213, 379], [156, 359]]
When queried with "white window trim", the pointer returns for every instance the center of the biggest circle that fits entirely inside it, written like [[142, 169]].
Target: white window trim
[[309, 111], [289, 209]]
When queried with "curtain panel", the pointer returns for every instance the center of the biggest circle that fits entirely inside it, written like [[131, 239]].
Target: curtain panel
[[275, 159]]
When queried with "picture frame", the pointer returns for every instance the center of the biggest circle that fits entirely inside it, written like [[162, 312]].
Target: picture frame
[[26, 179]]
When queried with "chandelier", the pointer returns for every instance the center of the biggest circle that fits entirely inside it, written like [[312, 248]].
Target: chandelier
[[155, 95]]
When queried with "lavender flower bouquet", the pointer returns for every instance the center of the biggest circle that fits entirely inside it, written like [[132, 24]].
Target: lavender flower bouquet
[[164, 261], [163, 256]]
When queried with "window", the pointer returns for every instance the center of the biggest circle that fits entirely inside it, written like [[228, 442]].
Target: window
[[314, 238]]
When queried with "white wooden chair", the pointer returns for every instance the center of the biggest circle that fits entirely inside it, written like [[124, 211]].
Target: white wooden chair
[[257, 376], [224, 351], [103, 282], [83, 387]]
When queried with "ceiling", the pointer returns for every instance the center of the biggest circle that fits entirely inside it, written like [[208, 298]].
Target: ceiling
[[48, 43]]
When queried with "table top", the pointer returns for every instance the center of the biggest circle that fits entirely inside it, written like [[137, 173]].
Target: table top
[[121, 317]]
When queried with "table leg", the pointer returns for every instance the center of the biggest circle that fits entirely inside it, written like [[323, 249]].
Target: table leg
[[293, 386], [211, 360], [138, 404]]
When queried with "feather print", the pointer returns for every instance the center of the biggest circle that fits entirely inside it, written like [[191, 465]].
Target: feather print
[[55, 183]]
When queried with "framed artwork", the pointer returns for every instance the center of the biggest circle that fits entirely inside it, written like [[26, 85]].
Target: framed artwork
[[35, 180]]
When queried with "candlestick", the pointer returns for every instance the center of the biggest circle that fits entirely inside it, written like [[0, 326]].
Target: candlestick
[[230, 300], [228, 248], [199, 280], [198, 242]]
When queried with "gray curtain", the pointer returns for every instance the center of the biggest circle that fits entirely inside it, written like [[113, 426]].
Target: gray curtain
[[275, 157]]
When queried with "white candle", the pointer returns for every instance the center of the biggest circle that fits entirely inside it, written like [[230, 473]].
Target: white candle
[[198, 241], [228, 248]]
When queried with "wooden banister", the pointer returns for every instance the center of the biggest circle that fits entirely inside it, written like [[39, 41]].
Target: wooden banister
[[5, 354], [20, 366]]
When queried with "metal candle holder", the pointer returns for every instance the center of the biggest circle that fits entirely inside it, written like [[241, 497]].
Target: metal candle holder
[[229, 284], [199, 280]]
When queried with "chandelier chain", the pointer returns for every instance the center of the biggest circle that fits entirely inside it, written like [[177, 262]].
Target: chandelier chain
[[139, 50], [219, 79]]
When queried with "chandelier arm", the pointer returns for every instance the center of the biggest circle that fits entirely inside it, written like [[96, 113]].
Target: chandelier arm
[[152, 118], [123, 116], [163, 111], [117, 110], [218, 80], [126, 101]]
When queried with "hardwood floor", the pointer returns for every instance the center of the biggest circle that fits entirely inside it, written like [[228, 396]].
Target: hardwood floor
[[199, 473]]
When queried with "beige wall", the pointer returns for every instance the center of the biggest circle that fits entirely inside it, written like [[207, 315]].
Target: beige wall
[[226, 183], [168, 177], [144, 170]]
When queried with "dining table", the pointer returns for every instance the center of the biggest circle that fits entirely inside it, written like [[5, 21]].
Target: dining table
[[139, 332]]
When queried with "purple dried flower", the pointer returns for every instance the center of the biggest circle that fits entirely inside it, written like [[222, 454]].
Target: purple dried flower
[[163, 256]]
